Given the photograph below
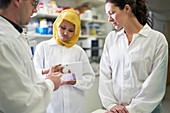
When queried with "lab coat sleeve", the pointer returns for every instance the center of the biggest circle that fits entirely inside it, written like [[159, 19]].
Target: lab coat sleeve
[[39, 60], [105, 81], [18, 94], [88, 73], [153, 88]]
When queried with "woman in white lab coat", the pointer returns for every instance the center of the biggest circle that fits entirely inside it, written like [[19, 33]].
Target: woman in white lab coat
[[61, 49], [133, 66]]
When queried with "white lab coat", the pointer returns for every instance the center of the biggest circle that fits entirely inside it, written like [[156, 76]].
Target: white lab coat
[[134, 75], [68, 98], [19, 91]]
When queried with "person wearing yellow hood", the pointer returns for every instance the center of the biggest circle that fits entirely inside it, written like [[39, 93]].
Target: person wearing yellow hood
[[62, 49]]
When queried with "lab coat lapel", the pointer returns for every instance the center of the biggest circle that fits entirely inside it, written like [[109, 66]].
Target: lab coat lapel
[[25, 45]]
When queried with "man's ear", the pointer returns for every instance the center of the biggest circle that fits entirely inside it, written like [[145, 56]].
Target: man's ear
[[17, 2]]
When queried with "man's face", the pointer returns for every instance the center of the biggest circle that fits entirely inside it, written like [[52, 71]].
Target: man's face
[[25, 11]]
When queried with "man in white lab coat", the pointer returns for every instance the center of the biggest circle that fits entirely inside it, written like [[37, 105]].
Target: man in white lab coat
[[19, 90]]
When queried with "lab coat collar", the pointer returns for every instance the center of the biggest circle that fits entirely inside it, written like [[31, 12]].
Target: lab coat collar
[[15, 25], [9, 28], [52, 41], [120, 32], [144, 31]]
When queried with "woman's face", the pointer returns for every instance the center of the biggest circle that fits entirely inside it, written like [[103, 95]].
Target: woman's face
[[116, 16], [66, 30]]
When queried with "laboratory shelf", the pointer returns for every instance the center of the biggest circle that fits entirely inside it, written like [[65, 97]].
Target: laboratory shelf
[[52, 16], [94, 20], [33, 36], [92, 36], [44, 15]]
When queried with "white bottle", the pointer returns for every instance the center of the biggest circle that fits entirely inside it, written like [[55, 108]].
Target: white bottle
[[54, 7], [45, 7], [43, 27], [41, 7], [50, 10], [88, 14]]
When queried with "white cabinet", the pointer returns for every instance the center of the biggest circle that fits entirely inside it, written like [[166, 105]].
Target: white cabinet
[[92, 98]]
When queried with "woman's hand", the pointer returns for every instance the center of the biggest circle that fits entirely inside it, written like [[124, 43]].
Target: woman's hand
[[71, 82], [118, 109]]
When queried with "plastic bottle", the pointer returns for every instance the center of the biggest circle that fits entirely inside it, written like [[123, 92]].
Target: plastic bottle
[[88, 14], [45, 7], [54, 7], [50, 28], [50, 10], [43, 26], [40, 7]]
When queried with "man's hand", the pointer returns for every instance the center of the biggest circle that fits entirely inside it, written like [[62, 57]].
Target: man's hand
[[108, 112], [55, 77], [57, 68]]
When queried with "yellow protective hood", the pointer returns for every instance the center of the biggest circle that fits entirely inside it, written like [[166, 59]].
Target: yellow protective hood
[[73, 17]]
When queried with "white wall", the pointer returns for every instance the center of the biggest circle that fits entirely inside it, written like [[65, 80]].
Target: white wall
[[162, 24], [161, 16], [159, 5]]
